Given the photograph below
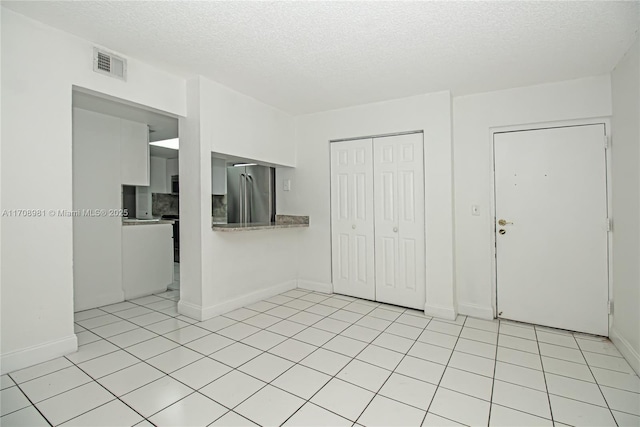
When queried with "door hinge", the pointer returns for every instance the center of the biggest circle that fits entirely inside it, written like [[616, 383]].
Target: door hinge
[[610, 306], [609, 224], [607, 142]]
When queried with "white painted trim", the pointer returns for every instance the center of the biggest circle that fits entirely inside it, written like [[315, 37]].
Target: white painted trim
[[448, 313], [475, 310], [325, 288], [629, 353], [25, 357], [200, 313]]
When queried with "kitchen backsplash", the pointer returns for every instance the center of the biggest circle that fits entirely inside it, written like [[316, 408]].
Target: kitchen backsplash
[[219, 206], [169, 204], [165, 204]]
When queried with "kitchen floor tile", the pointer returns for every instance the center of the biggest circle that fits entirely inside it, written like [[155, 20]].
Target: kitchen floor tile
[[91, 351], [286, 328], [107, 364], [298, 304], [325, 361], [55, 383], [521, 398], [507, 417], [344, 345], [517, 343], [311, 415], [315, 297], [607, 362], [449, 404], [374, 323], [444, 328], [261, 306], [346, 316], [438, 338], [621, 400], [430, 352], [86, 337], [266, 367], [231, 419], [6, 382], [153, 397], [557, 339], [406, 331], [113, 413], [232, 388], [305, 318], [417, 321], [358, 307], [26, 417], [293, 350], [39, 370], [381, 357], [575, 389], [433, 420], [174, 359], [132, 337], [519, 375], [560, 352], [422, 370], [484, 325], [393, 342], [282, 312], [602, 346], [321, 310], [385, 314], [209, 344], [520, 358], [89, 314], [331, 325], [240, 314], [475, 347], [186, 334], [471, 363], [364, 375], [216, 323], [153, 347], [626, 420], [149, 318], [517, 330], [386, 412], [193, 410], [343, 398], [264, 340], [166, 326], [131, 378], [573, 412], [314, 336], [360, 333], [11, 400], [200, 373], [301, 381], [235, 355], [72, 403], [479, 335], [465, 382], [262, 320], [568, 369], [408, 390], [269, 406], [96, 322], [623, 381]]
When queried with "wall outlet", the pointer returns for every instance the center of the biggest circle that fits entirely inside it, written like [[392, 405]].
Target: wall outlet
[[286, 185], [475, 210]]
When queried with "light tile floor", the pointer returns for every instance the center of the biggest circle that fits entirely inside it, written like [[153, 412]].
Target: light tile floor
[[304, 358]]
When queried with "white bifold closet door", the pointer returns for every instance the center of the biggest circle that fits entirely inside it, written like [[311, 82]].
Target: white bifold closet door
[[377, 212], [352, 218]]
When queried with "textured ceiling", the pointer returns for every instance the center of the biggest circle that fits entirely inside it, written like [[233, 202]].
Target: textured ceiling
[[312, 56]]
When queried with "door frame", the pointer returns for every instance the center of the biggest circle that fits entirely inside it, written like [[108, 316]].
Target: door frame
[[424, 179], [492, 208]]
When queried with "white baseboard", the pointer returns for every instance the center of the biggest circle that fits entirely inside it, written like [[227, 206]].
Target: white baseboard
[[475, 310], [448, 313], [626, 349], [99, 300], [203, 313], [23, 358], [325, 288]]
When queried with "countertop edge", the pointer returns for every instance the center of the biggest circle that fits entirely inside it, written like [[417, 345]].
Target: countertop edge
[[160, 222], [230, 228]]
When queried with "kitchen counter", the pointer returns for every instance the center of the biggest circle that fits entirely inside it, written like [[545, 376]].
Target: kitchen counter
[[146, 221], [282, 221]]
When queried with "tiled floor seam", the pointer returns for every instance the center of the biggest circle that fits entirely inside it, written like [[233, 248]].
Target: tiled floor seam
[[493, 379], [30, 401], [544, 376], [442, 376]]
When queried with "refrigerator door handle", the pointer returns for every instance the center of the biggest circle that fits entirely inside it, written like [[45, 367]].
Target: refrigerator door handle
[[249, 197], [241, 199]]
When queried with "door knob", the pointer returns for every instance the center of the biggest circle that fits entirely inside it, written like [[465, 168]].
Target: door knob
[[501, 231], [353, 226], [503, 222], [395, 229]]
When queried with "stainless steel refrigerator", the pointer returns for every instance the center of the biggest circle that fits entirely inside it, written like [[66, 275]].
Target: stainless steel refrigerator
[[250, 194]]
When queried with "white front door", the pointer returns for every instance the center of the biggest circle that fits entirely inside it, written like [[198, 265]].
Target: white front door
[[551, 255], [399, 220], [352, 218]]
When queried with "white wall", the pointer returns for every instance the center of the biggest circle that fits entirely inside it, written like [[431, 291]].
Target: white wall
[[243, 127], [37, 254], [310, 185], [625, 149], [473, 118], [222, 271]]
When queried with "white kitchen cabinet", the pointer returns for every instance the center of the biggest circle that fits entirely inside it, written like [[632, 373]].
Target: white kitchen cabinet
[[218, 176], [377, 219], [172, 169], [134, 153], [159, 182], [147, 259]]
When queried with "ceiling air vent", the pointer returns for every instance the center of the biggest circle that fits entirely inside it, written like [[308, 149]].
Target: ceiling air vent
[[109, 64]]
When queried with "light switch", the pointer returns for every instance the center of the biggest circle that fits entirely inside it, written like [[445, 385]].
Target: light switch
[[475, 210], [286, 185]]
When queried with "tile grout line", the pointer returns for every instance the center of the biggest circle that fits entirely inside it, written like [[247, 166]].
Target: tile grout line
[[544, 376], [495, 368]]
